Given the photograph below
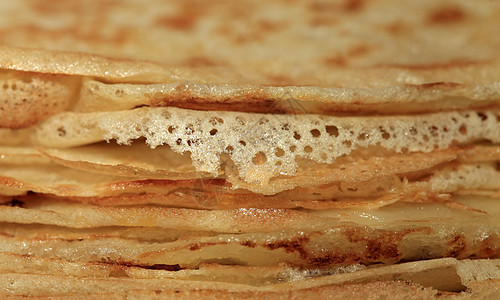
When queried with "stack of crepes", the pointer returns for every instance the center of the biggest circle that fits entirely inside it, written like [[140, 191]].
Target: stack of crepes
[[343, 149]]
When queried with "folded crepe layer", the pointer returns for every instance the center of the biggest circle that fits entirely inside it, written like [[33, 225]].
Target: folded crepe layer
[[262, 146], [327, 241], [395, 98], [360, 179], [468, 271], [427, 273], [370, 284], [43, 210], [193, 89], [253, 276], [458, 274], [342, 245], [480, 179], [396, 289]]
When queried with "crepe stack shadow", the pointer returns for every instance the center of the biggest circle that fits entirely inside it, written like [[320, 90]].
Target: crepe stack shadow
[[185, 149]]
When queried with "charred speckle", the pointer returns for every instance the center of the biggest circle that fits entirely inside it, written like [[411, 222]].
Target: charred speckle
[[457, 245], [294, 245], [15, 203], [354, 5], [332, 258], [194, 247], [447, 15], [381, 249], [61, 131], [198, 246], [384, 246], [248, 244], [116, 263], [163, 267]]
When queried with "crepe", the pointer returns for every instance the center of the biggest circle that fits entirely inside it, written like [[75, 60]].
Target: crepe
[[194, 149]]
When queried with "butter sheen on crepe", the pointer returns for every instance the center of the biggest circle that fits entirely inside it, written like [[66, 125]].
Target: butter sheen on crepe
[[185, 149]]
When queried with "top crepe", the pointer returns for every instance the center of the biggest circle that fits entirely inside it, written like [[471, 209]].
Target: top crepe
[[282, 43]]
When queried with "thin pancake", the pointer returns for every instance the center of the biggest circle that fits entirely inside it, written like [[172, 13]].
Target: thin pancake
[[316, 137]]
